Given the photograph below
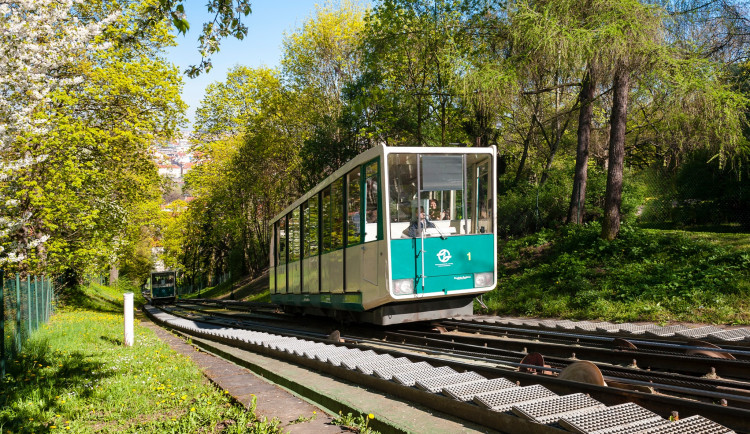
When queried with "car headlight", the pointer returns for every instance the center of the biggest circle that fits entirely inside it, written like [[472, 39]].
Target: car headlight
[[402, 287], [483, 279]]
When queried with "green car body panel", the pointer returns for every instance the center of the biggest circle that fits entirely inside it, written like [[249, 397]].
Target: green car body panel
[[449, 263]]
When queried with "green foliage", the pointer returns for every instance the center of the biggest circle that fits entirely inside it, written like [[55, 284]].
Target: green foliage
[[321, 60], [227, 106], [98, 298], [412, 69], [93, 171], [527, 207], [708, 193], [451, 71], [254, 132], [700, 192], [226, 21], [644, 275]]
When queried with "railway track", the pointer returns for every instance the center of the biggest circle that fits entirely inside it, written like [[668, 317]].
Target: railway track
[[464, 362]]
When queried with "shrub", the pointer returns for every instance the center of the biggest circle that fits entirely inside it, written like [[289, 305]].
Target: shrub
[[528, 207]]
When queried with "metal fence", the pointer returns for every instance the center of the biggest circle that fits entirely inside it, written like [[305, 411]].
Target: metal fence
[[701, 197], [200, 283], [26, 303]]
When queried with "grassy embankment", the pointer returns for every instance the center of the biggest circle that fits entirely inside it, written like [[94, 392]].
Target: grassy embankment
[[74, 374], [644, 275]]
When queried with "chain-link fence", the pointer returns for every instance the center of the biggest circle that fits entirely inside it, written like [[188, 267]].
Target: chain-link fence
[[698, 195], [189, 286], [25, 304]]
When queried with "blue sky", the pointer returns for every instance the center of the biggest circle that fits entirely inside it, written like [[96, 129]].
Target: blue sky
[[261, 47]]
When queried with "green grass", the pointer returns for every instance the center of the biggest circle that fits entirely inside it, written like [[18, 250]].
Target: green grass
[[74, 374], [359, 423], [727, 239], [644, 275], [210, 291]]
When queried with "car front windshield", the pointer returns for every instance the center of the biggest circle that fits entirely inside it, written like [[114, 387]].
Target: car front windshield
[[439, 194]]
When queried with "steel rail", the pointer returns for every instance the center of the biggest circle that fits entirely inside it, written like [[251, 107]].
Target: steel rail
[[706, 388], [661, 342], [732, 417], [666, 361], [507, 358]]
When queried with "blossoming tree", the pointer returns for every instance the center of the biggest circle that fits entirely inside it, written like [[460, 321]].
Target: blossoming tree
[[39, 41]]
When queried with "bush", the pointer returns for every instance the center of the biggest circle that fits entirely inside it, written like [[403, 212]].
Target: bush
[[527, 207]]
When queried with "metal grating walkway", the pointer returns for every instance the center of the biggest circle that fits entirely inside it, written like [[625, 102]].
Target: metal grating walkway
[[551, 410], [387, 372], [436, 384], [652, 330], [618, 419], [505, 399], [689, 425], [577, 412], [467, 392], [411, 377]]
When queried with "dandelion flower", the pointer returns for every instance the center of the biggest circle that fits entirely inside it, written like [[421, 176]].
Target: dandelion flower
[[371, 416]]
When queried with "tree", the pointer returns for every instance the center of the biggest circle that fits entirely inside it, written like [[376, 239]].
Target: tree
[[227, 106], [577, 208], [618, 124], [249, 168], [227, 21], [40, 42], [91, 164], [321, 60], [685, 79], [413, 60]]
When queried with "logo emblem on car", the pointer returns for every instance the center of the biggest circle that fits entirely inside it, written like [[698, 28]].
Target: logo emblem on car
[[444, 255]]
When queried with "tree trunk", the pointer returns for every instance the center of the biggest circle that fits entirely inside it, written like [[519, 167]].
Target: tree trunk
[[578, 197], [618, 123], [526, 142], [114, 274]]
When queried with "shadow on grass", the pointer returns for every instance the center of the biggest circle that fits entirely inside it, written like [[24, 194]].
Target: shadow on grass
[[113, 341], [235, 290], [39, 382], [729, 228], [78, 298], [255, 286]]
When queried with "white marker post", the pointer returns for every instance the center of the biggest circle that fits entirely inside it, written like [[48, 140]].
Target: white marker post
[[128, 302]]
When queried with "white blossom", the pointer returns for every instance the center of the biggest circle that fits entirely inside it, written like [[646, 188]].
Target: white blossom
[[38, 39]]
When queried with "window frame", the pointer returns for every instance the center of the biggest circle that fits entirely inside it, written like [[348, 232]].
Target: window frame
[[379, 199], [348, 222]]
